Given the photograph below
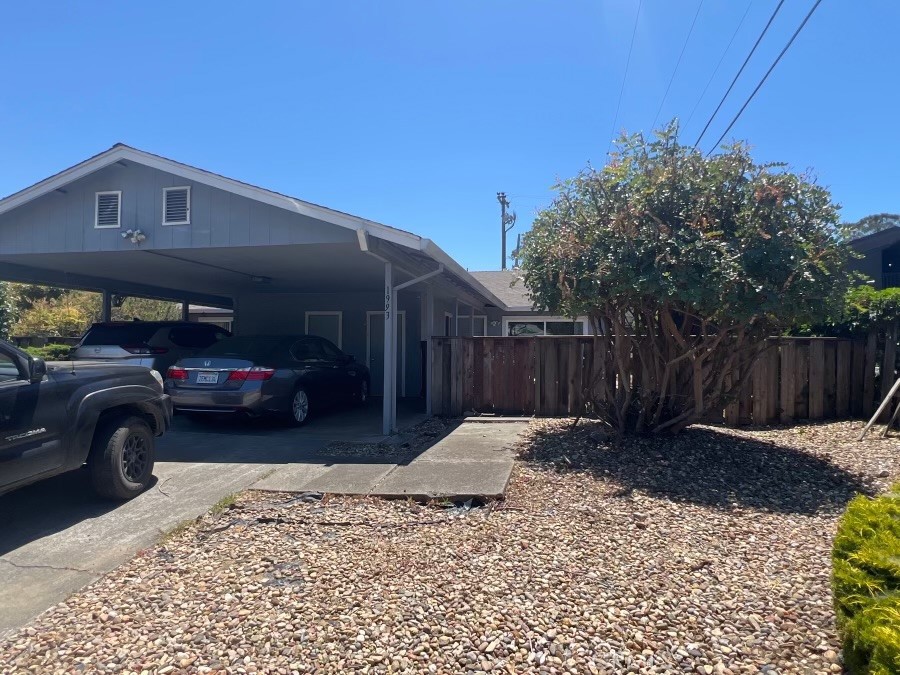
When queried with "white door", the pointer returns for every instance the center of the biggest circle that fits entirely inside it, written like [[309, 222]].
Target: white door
[[375, 352]]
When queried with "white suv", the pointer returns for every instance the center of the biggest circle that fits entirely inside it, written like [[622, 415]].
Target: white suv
[[155, 344]]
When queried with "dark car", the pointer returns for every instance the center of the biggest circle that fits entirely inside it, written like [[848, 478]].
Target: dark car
[[154, 344], [267, 374], [57, 416]]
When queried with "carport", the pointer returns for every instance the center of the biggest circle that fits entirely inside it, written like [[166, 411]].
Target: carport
[[127, 222]]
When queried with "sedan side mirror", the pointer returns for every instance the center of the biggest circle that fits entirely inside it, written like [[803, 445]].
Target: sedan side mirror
[[37, 369]]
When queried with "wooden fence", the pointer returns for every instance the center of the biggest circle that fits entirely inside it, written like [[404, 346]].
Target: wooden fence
[[795, 379]]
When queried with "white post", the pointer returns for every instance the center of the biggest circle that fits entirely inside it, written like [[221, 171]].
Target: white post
[[106, 307], [429, 333], [394, 365], [389, 369]]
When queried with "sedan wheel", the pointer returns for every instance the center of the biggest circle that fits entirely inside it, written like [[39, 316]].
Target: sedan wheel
[[299, 407]]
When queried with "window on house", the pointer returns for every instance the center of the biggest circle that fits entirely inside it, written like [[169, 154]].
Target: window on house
[[539, 326], [108, 211], [328, 325], [177, 206]]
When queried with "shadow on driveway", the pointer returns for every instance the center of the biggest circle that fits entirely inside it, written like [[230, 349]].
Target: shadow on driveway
[[704, 466], [50, 506]]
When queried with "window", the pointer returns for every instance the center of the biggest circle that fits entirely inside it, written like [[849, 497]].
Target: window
[[108, 212], [520, 326], [328, 325], [307, 350], [177, 206], [9, 369], [330, 350]]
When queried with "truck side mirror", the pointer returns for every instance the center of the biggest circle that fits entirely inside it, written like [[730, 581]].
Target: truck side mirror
[[37, 369]]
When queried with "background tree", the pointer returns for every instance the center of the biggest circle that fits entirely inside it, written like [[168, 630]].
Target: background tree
[[687, 263], [8, 311], [869, 225], [67, 313]]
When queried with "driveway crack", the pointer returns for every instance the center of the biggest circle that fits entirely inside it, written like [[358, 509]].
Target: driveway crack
[[45, 567]]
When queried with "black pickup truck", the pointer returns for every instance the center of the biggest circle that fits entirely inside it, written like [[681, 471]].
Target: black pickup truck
[[58, 416]]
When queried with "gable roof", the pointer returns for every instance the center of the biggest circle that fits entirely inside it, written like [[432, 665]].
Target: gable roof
[[509, 286], [124, 153], [881, 239]]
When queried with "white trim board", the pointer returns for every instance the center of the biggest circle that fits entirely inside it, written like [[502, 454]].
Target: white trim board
[[401, 327], [338, 314]]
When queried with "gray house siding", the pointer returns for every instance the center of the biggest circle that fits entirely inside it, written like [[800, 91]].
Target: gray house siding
[[285, 314], [64, 221]]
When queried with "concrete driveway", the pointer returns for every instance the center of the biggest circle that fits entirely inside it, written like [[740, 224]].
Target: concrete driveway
[[57, 537]]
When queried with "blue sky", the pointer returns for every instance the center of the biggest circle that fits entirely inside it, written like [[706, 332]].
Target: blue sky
[[416, 113]]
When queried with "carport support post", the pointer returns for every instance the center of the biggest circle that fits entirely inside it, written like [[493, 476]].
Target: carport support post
[[106, 307], [185, 311], [429, 333], [389, 404]]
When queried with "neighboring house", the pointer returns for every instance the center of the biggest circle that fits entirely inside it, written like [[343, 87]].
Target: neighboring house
[[128, 222], [224, 318], [881, 260], [518, 317]]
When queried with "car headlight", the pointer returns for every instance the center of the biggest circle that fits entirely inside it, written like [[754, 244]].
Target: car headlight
[[156, 376]]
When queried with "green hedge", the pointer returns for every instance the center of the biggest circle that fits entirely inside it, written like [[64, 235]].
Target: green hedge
[[51, 352], [866, 583]]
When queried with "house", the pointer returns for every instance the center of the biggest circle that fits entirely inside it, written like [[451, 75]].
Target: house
[[129, 222], [881, 257]]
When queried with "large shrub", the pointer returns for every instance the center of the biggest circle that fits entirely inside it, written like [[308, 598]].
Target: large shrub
[[688, 263], [866, 583]]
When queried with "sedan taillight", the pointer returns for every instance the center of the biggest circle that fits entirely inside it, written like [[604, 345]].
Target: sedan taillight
[[251, 374], [176, 374]]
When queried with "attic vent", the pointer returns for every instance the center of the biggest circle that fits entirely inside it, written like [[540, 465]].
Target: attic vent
[[177, 206], [109, 209]]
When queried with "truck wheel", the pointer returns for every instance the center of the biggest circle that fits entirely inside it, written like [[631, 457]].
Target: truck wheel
[[121, 459]]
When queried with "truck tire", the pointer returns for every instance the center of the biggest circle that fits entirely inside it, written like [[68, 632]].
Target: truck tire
[[121, 459]]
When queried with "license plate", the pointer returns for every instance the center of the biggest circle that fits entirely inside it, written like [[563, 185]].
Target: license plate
[[207, 378]]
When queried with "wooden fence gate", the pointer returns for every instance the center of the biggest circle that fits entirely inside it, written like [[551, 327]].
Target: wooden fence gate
[[795, 379]]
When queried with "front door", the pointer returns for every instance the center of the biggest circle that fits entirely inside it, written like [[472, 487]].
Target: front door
[[375, 352], [31, 423]]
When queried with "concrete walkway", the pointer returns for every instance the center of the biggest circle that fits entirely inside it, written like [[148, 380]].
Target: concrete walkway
[[57, 537], [474, 460]]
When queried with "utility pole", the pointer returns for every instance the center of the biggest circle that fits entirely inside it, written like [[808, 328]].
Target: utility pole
[[507, 222]]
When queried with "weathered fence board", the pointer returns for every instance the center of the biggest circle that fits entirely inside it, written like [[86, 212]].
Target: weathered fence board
[[793, 379]]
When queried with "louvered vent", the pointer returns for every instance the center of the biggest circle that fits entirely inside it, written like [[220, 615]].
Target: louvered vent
[[177, 206], [109, 208]]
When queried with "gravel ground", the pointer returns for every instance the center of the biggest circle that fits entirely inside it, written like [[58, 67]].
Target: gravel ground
[[708, 552]]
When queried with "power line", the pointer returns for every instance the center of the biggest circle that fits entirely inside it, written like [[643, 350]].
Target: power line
[[624, 77], [719, 64], [677, 63], [743, 65], [765, 77]]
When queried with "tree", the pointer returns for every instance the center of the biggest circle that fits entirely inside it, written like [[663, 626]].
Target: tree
[[8, 311], [869, 225], [687, 263]]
